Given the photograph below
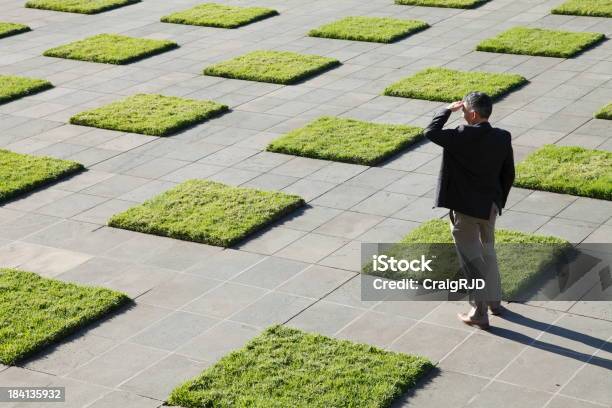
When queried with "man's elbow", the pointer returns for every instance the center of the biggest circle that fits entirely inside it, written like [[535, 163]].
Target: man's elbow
[[431, 133]]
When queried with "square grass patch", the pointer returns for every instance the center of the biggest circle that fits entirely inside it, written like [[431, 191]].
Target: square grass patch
[[79, 6], [111, 49], [518, 273], [20, 173], [219, 15], [36, 311], [569, 170], [277, 67], [285, 367], [464, 4], [207, 212], [592, 8], [7, 29], [15, 87], [448, 85], [373, 29], [346, 140], [605, 112], [155, 115], [540, 42]]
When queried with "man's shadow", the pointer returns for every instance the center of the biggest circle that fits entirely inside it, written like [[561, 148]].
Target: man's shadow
[[573, 335]]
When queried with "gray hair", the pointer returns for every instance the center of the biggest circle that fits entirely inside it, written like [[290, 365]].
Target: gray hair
[[480, 103]]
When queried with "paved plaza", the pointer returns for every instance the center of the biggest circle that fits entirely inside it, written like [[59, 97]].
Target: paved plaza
[[194, 303]]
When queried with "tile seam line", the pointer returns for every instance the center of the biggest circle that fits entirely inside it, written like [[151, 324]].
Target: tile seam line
[[220, 321], [584, 364], [523, 349]]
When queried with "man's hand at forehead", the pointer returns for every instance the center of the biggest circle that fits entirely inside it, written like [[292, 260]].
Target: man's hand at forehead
[[455, 106]]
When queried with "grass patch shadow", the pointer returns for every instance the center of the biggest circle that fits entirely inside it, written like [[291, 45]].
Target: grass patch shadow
[[286, 367], [207, 212], [346, 140], [8, 29], [111, 49], [219, 15], [567, 170], [15, 87], [590, 8], [541, 42], [370, 29], [150, 114], [37, 311], [24, 173], [448, 85], [79, 6], [461, 4], [277, 67]]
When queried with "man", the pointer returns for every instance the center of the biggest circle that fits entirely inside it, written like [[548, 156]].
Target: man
[[475, 178]]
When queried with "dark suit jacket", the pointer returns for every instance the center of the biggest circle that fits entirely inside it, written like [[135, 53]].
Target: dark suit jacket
[[477, 166]]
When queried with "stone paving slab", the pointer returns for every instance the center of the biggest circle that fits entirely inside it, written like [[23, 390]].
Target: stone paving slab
[[195, 303]]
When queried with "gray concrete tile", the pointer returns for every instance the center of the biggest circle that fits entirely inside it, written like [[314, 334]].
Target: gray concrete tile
[[420, 210], [147, 191], [115, 186], [273, 308], [311, 247], [325, 318], [572, 231], [376, 329], [493, 355], [225, 264], [44, 260], [316, 281], [270, 273], [349, 224], [521, 221], [309, 218], [436, 391], [383, 203], [173, 331], [566, 402], [101, 213], [69, 354], [375, 177], [541, 369], [218, 341], [25, 224], [71, 205], [429, 340], [124, 399], [337, 172], [343, 197], [127, 322], [271, 241], [544, 203], [78, 393], [507, 395], [117, 365], [178, 291], [225, 300], [138, 279], [578, 333], [160, 379], [588, 209], [309, 189], [182, 255], [192, 171], [299, 167], [270, 182]]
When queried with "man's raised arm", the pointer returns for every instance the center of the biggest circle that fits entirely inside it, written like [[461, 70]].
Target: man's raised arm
[[435, 132]]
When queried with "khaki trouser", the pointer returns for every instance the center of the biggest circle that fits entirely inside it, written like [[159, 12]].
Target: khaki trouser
[[475, 243]]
